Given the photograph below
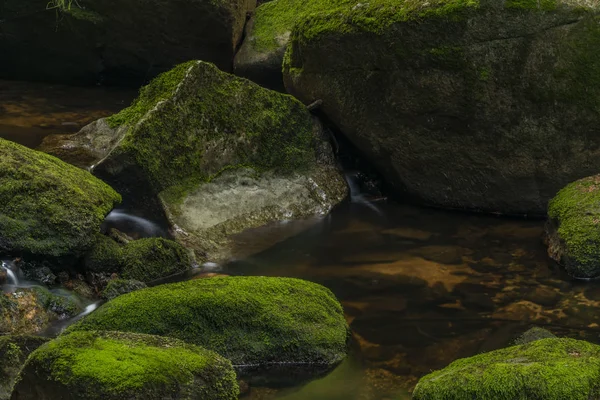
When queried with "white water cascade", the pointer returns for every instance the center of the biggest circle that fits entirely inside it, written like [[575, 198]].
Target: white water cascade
[[356, 196]]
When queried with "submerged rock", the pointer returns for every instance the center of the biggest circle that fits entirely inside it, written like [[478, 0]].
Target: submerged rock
[[573, 230], [219, 152], [49, 210], [483, 105], [116, 365], [542, 369], [31, 310], [14, 350], [249, 320], [125, 41]]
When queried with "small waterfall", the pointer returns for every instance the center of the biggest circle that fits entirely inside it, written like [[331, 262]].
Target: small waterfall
[[356, 195], [13, 279], [132, 224]]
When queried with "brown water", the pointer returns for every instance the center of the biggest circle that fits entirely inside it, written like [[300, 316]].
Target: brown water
[[420, 287], [423, 287], [31, 111]]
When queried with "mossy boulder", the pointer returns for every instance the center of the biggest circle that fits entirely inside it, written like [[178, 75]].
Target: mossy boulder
[[48, 209], [106, 256], [117, 287], [31, 310], [154, 258], [549, 369], [116, 365], [573, 230], [533, 334], [218, 153], [470, 104], [14, 350], [249, 320], [116, 42]]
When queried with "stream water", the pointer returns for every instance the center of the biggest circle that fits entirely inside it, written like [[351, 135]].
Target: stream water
[[420, 287]]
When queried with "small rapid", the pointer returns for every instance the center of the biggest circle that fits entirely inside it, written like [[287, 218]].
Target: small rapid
[[133, 225], [357, 195]]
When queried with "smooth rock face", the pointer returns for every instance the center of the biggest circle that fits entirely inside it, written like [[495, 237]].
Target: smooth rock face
[[110, 41], [219, 154], [116, 365], [249, 320], [572, 231], [48, 209], [542, 369], [482, 105], [14, 350]]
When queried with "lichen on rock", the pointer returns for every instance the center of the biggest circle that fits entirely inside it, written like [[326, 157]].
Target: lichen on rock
[[249, 320], [117, 365]]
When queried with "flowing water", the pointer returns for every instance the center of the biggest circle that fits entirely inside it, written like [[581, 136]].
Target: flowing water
[[420, 287]]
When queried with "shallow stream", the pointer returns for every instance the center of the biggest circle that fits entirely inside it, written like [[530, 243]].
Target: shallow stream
[[420, 287]]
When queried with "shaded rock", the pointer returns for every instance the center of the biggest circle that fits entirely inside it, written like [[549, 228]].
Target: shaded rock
[[485, 105], [572, 230], [218, 154], [249, 320], [14, 350], [534, 334], [105, 256], [122, 42], [31, 310], [154, 258], [48, 209], [117, 287], [117, 365], [548, 368]]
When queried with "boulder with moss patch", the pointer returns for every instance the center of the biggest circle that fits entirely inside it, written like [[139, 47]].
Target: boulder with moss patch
[[116, 365], [573, 230], [14, 350], [117, 287], [49, 210], [469, 104], [221, 154], [249, 320], [116, 41], [154, 258], [546, 369]]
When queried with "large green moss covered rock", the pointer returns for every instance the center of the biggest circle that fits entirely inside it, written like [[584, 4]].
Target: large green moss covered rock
[[116, 365], [573, 228], [220, 153], [14, 350], [249, 320], [116, 41], [470, 104], [48, 208], [548, 369]]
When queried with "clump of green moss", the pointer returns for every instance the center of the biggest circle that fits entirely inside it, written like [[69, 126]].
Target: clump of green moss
[[117, 287], [533, 334], [47, 207], [209, 121], [116, 365], [575, 213], [105, 256], [153, 258], [63, 306], [14, 349], [549, 369], [249, 320]]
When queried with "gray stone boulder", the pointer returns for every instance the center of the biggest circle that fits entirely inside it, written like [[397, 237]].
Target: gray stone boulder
[[216, 153], [481, 105]]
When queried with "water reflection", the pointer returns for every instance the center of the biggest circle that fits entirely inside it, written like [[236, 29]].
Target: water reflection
[[423, 287]]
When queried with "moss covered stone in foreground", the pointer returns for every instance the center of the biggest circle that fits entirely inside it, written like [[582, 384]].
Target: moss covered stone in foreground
[[249, 320], [573, 228], [546, 369], [116, 365], [48, 208]]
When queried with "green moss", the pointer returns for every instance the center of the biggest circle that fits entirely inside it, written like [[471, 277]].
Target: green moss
[[534, 334], [246, 319], [549, 369], [214, 121], [545, 5], [575, 211], [63, 306], [114, 365], [153, 258], [105, 256], [13, 352], [47, 207], [117, 287]]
